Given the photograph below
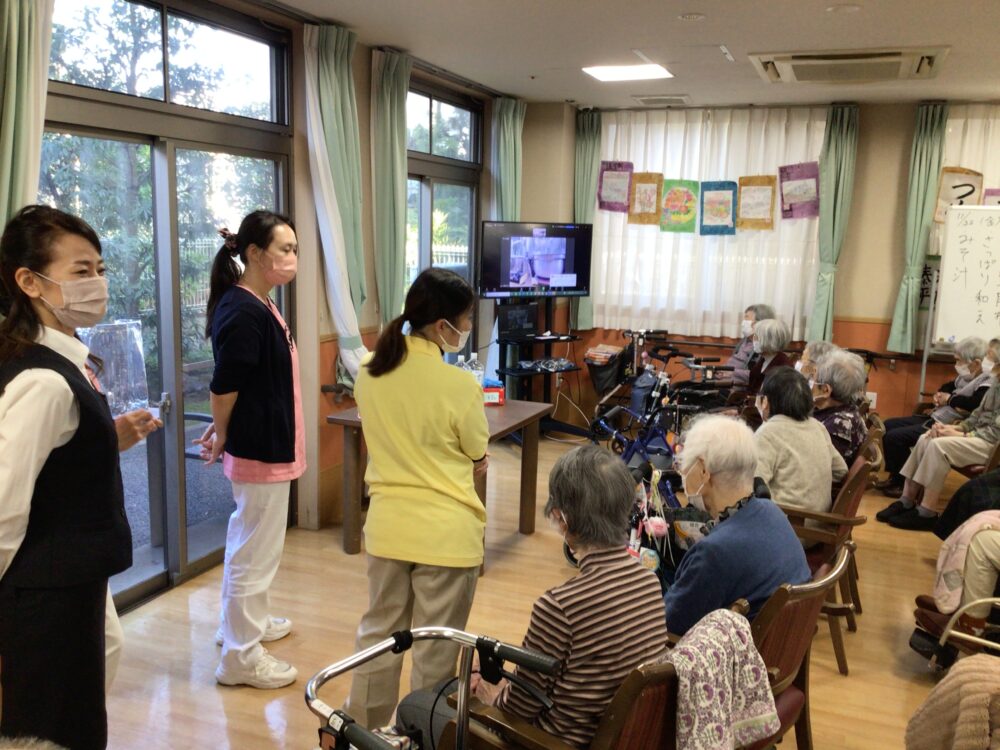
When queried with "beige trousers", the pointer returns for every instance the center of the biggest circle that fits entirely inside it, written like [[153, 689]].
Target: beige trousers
[[403, 595], [932, 459], [981, 564]]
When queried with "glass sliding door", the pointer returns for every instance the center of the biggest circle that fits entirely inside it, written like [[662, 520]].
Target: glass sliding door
[[214, 190], [108, 183]]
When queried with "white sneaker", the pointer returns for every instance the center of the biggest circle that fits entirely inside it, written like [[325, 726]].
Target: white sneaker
[[277, 628], [266, 673]]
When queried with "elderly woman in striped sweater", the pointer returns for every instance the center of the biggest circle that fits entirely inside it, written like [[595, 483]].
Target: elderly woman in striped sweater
[[600, 624]]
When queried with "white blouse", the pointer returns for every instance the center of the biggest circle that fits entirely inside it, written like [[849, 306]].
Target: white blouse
[[38, 413]]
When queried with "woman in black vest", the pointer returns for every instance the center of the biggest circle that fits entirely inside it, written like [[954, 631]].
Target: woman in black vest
[[63, 530]]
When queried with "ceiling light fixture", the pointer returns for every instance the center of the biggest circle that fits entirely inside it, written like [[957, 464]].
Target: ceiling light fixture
[[692, 16], [646, 72], [843, 8]]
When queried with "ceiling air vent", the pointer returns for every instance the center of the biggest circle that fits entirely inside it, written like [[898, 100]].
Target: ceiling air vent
[[850, 66], [676, 100]]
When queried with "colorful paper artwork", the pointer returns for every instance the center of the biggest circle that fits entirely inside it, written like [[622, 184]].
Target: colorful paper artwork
[[755, 204], [644, 199], [718, 207], [680, 206], [614, 185], [799, 190], [991, 197], [957, 187]]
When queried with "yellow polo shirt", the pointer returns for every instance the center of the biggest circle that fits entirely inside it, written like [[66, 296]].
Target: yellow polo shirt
[[424, 424]]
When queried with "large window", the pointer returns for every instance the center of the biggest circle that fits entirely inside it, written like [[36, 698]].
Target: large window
[[165, 121], [444, 139], [120, 46]]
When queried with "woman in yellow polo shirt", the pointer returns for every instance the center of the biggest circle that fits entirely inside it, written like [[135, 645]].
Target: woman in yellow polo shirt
[[425, 427]]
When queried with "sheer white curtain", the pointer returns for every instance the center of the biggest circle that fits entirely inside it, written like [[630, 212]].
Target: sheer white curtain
[[972, 140], [694, 285]]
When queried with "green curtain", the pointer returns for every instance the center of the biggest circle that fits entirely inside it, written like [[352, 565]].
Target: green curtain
[[25, 31], [390, 82], [588, 162], [338, 106], [508, 124], [925, 171], [836, 190]]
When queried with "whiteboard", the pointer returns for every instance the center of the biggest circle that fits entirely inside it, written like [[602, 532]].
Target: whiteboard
[[968, 300]]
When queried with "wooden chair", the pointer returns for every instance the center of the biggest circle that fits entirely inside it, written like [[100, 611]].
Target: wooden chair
[[783, 631], [829, 541], [641, 716], [872, 448]]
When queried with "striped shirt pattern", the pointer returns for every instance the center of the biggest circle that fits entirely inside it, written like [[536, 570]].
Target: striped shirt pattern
[[601, 624]]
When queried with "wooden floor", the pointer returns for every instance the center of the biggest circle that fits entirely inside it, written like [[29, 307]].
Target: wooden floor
[[166, 696]]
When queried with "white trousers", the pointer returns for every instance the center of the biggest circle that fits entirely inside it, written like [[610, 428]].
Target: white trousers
[[254, 543], [114, 636], [981, 563], [932, 458]]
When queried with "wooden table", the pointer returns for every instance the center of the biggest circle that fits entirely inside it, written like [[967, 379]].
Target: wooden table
[[514, 416]]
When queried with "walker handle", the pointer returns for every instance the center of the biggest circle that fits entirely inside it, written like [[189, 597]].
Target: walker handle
[[532, 660], [344, 726]]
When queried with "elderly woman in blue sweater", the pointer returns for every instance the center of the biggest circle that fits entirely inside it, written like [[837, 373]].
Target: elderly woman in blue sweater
[[750, 549]]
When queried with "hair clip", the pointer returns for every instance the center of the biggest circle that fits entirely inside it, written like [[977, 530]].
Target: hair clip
[[229, 239]]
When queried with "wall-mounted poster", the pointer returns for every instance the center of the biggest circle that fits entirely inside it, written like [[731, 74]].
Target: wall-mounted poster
[[991, 197], [755, 203], [718, 207], [680, 206], [644, 198], [957, 187], [799, 190], [613, 185]]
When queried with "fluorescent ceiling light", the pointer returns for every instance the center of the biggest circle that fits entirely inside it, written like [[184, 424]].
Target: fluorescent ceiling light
[[628, 72]]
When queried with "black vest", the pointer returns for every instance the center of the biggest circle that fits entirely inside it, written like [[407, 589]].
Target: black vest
[[77, 529]]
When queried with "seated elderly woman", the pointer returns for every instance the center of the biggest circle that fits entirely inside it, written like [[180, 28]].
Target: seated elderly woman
[[813, 352], [744, 350], [795, 457], [966, 443], [974, 362], [600, 624], [837, 385], [751, 548], [769, 338]]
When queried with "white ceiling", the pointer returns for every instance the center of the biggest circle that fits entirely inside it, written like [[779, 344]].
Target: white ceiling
[[534, 49]]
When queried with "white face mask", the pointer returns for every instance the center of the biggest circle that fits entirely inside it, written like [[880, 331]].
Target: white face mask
[[798, 366], [757, 348], [746, 327], [694, 498], [463, 337], [988, 365], [962, 370], [85, 301]]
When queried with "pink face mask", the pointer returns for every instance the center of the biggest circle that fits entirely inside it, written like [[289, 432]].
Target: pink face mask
[[85, 301], [279, 270]]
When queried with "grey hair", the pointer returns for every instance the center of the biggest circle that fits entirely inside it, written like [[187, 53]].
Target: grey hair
[[27, 743], [595, 493], [844, 372], [819, 349], [761, 312], [773, 335], [724, 444], [970, 348]]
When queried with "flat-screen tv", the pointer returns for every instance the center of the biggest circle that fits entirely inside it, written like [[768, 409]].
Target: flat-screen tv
[[526, 259]]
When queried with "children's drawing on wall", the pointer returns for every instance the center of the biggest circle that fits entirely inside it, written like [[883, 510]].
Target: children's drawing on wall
[[755, 207], [718, 208], [799, 190], [644, 202], [613, 185], [957, 187], [680, 206]]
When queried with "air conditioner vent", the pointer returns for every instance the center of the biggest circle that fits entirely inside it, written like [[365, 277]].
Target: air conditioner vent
[[674, 100], [850, 66]]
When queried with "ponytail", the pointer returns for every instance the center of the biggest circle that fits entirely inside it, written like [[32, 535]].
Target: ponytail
[[257, 229], [225, 274], [390, 351], [435, 294]]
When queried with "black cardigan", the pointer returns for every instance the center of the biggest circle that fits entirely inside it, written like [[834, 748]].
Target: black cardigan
[[253, 356]]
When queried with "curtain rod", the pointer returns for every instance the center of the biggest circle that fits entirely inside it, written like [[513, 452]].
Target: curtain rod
[[418, 63]]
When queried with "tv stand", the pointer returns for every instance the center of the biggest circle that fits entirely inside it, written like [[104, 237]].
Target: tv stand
[[516, 378]]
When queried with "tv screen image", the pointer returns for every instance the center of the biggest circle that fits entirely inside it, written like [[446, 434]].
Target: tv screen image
[[534, 260]]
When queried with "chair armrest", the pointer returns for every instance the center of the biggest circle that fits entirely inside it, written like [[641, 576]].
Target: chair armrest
[[740, 607], [831, 518], [507, 725], [672, 639]]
